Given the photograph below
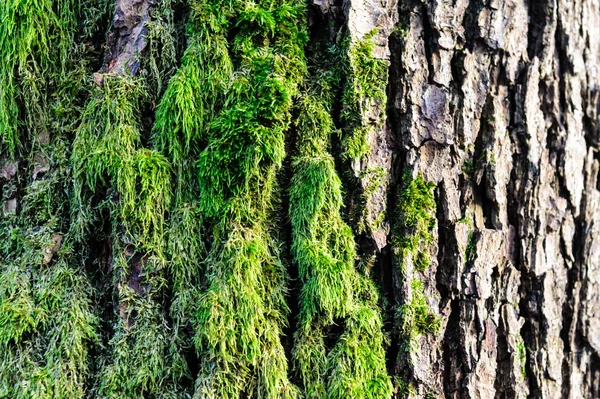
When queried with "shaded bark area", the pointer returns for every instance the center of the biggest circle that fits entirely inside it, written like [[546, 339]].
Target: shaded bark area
[[127, 38]]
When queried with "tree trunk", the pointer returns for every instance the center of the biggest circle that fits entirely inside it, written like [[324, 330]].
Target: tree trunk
[[272, 199]]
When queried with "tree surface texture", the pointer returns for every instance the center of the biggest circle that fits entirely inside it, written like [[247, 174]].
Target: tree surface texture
[[279, 199]]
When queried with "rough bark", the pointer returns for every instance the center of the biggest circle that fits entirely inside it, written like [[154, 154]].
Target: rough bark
[[497, 103], [128, 36]]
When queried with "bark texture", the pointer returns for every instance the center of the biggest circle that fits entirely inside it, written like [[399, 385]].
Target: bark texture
[[427, 171], [497, 103]]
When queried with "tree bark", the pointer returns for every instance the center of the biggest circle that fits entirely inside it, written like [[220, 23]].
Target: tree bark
[[497, 103]]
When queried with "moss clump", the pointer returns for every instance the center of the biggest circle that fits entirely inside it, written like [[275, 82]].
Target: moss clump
[[47, 328], [415, 318], [35, 40], [108, 157], [415, 222], [138, 361], [364, 93], [47, 322], [222, 125], [107, 153], [194, 94], [333, 291]]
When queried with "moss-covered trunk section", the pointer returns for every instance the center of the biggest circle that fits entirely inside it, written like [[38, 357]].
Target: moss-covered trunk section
[[287, 199]]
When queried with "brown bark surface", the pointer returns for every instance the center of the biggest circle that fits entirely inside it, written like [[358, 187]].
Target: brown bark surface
[[497, 102]]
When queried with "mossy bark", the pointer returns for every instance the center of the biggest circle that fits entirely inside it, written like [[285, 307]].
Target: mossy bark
[[286, 199]]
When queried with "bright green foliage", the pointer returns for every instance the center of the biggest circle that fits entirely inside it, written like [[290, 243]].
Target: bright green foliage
[[47, 322], [35, 39], [416, 318], [195, 93], [365, 92], [416, 220], [181, 237], [240, 318], [333, 291], [106, 152], [229, 107]]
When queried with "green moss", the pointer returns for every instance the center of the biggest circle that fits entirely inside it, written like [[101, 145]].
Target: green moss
[[401, 31], [415, 318], [138, 362], [415, 221], [35, 43], [240, 317], [193, 97], [333, 291], [47, 322], [404, 388], [161, 59], [108, 157], [106, 153], [372, 179], [51, 359], [521, 356], [365, 91], [228, 109]]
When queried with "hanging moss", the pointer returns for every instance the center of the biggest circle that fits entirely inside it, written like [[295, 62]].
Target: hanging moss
[[195, 93], [185, 252], [233, 98], [47, 320], [108, 153], [333, 291], [176, 216], [35, 40], [139, 363]]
